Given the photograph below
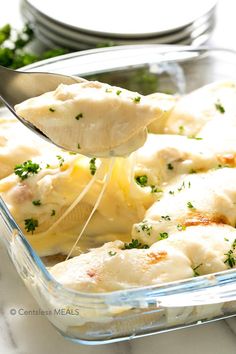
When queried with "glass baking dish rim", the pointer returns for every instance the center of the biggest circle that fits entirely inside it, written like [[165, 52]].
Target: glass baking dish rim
[[186, 286]]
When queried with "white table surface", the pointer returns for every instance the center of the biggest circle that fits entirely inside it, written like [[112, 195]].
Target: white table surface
[[35, 335]]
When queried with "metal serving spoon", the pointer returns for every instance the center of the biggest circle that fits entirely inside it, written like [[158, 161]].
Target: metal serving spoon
[[18, 86]]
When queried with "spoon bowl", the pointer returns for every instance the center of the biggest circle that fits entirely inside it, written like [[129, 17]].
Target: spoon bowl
[[18, 86]]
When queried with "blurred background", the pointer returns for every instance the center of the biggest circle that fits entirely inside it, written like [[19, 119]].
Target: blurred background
[[32, 30]]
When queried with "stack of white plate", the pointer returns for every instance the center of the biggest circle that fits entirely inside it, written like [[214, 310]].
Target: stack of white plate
[[84, 24]]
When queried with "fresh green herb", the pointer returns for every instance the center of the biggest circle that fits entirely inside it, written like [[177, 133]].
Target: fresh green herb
[[48, 166], [137, 99], [190, 205], [155, 189], [53, 212], [171, 192], [141, 180], [226, 239], [135, 244], [80, 115], [72, 153], [31, 224], [13, 44], [5, 32], [194, 137], [163, 235], [111, 253], [61, 160], [181, 187], [145, 227], [26, 169], [51, 109], [78, 147], [192, 171], [219, 107], [189, 184], [196, 274], [36, 202], [108, 90], [181, 227], [170, 166], [166, 217], [92, 166], [118, 92], [230, 257], [181, 129]]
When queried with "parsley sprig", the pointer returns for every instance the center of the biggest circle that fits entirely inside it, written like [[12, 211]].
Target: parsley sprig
[[92, 166], [230, 257], [31, 224], [134, 244], [141, 180], [26, 169]]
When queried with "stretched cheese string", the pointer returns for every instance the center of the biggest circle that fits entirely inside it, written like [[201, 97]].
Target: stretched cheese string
[[77, 200], [99, 198]]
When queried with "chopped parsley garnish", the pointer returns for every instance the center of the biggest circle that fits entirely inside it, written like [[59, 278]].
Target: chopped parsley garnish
[[36, 202], [51, 109], [61, 160], [181, 227], [78, 146], [108, 90], [192, 171], [80, 115], [137, 99], [111, 253], [163, 235], [134, 244], [92, 166], [181, 187], [230, 257], [189, 184], [196, 274], [166, 217], [26, 169], [170, 166], [155, 189], [181, 129], [141, 180], [118, 92], [31, 224], [195, 137], [219, 107], [145, 227], [190, 205], [53, 212], [48, 166], [226, 239], [171, 192]]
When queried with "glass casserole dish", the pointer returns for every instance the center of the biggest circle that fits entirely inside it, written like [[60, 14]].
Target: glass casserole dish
[[97, 318]]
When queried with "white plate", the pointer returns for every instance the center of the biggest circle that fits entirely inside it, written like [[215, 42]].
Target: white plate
[[42, 33], [59, 32], [123, 18]]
